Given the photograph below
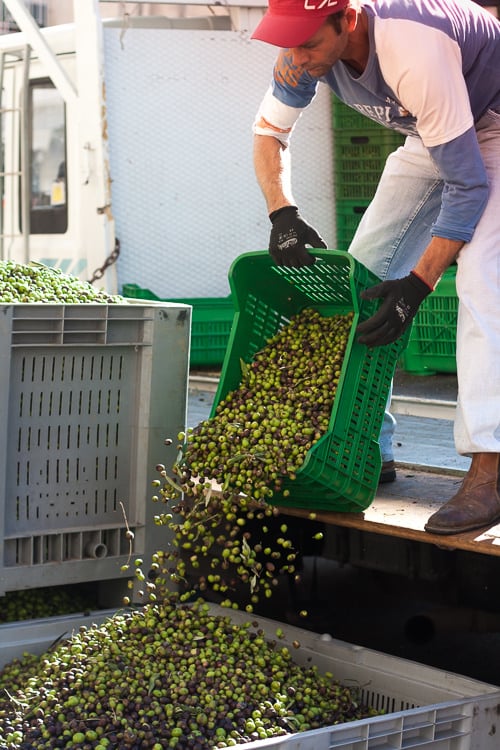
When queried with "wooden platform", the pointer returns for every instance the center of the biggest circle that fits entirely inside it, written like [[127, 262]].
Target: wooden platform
[[402, 508]]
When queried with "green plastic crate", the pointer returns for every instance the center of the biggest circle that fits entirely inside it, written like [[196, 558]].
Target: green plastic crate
[[348, 216], [211, 322], [361, 148], [341, 471], [360, 157], [432, 343], [348, 118]]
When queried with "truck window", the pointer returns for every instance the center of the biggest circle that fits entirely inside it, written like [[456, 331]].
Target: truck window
[[48, 184]]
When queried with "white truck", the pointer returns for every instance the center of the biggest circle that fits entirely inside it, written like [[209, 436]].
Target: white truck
[[127, 146]]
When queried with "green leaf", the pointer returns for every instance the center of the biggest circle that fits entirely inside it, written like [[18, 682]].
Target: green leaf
[[244, 369]]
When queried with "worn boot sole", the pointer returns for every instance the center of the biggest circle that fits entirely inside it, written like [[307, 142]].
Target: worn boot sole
[[476, 505], [444, 531]]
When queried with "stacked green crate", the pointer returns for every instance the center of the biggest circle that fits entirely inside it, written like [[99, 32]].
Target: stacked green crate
[[211, 322], [361, 148], [432, 344]]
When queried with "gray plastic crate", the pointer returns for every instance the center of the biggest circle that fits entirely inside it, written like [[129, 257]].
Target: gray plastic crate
[[88, 394], [425, 707], [37, 636]]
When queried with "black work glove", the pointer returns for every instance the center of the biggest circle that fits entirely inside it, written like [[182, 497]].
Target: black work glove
[[401, 300], [289, 236]]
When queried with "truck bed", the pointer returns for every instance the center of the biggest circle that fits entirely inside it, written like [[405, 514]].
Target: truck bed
[[401, 509]]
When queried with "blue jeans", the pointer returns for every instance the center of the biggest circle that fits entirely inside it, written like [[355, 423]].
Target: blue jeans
[[391, 237]]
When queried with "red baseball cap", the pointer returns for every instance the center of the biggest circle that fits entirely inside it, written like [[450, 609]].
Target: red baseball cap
[[290, 23]]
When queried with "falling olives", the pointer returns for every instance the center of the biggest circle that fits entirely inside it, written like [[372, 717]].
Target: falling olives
[[231, 465]]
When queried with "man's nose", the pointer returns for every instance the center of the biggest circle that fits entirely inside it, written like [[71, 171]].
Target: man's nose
[[299, 56]]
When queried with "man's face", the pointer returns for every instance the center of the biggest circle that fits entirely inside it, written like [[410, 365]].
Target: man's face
[[323, 50]]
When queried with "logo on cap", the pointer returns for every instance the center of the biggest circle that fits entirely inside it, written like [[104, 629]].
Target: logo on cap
[[321, 5]]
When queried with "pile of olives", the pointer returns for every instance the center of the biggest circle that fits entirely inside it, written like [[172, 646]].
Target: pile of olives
[[230, 465], [35, 282], [31, 604], [167, 676]]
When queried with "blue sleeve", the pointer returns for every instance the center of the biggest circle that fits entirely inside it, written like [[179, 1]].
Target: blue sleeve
[[466, 189], [291, 85]]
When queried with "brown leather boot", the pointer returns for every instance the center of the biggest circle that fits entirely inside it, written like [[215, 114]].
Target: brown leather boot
[[477, 502]]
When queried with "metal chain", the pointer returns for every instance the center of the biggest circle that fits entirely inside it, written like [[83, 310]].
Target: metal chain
[[112, 258]]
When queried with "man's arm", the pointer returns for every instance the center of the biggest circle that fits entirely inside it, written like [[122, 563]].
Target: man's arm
[[272, 169], [290, 234], [438, 255]]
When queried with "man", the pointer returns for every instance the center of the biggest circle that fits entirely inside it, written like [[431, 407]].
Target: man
[[431, 70]]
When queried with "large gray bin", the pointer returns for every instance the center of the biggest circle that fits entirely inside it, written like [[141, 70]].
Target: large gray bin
[[425, 708], [88, 395]]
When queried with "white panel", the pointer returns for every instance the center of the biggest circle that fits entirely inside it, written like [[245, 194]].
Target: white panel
[[185, 199]]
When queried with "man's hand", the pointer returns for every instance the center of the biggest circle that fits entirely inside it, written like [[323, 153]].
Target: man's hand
[[289, 236], [401, 300]]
